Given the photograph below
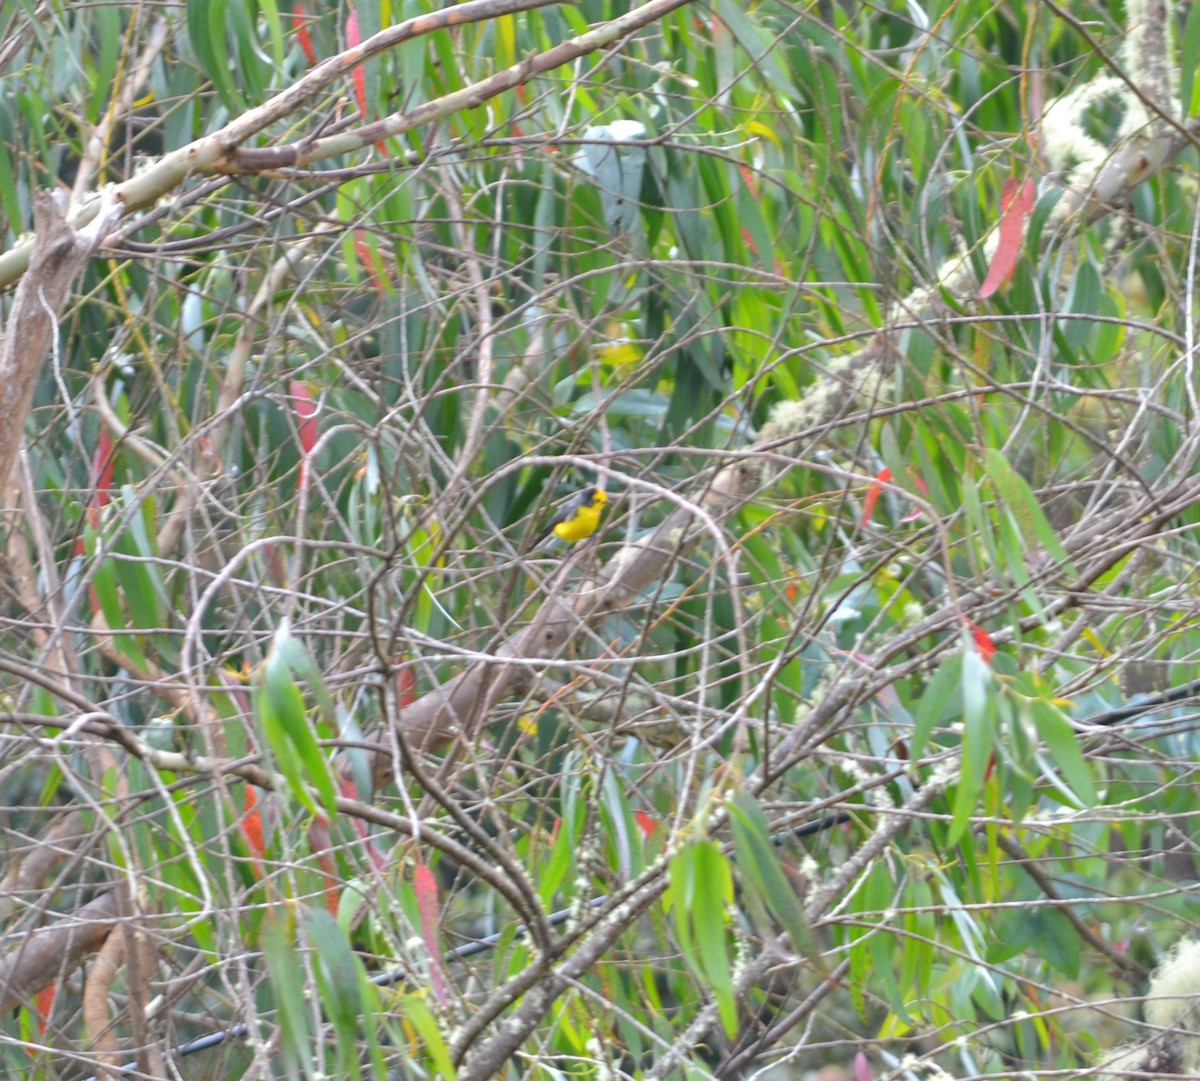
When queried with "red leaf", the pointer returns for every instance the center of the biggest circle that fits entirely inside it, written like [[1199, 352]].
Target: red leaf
[[359, 74], [406, 686], [349, 790], [884, 476], [320, 839], [300, 22], [646, 822], [306, 413], [425, 887], [1015, 204], [45, 1003], [983, 642], [103, 462]]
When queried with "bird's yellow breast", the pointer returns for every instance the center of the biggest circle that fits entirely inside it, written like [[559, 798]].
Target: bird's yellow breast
[[580, 525], [581, 520]]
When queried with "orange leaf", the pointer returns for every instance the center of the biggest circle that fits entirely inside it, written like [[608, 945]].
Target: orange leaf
[[371, 261], [252, 830], [1016, 202], [300, 22]]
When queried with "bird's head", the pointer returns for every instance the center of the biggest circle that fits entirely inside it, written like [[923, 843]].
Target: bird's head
[[599, 497]]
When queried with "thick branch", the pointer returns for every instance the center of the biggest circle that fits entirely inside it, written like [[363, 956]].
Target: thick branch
[[58, 253], [60, 948]]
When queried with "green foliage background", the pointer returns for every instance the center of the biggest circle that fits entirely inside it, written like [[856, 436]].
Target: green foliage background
[[613, 272]]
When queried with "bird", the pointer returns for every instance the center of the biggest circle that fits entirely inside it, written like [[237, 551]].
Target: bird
[[577, 519]]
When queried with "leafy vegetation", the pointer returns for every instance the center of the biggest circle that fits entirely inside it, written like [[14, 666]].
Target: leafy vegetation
[[860, 737]]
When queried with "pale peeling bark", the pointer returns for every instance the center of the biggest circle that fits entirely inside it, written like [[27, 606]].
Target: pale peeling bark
[[59, 253]]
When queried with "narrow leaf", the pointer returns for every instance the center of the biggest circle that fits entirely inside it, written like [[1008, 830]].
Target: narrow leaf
[[306, 414], [1019, 498], [358, 74], [759, 863], [427, 1028], [1016, 202], [939, 692], [1054, 728], [286, 979], [713, 891], [425, 888]]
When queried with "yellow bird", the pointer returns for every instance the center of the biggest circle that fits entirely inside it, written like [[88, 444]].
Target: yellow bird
[[577, 520]]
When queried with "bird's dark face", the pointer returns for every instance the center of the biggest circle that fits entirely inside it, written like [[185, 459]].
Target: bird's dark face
[[596, 497]]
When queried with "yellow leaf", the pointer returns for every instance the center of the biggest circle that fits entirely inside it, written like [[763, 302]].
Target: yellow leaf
[[757, 127]]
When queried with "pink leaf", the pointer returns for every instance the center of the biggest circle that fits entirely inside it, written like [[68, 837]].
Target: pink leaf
[[1016, 202], [306, 413], [103, 460], [359, 74], [425, 887]]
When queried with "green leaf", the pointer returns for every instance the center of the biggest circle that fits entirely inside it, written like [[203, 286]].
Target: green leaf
[[681, 875], [1019, 498], [206, 32], [1083, 297], [978, 688], [107, 34], [271, 706], [105, 584], [941, 690], [980, 523], [339, 981], [414, 1008], [370, 22], [760, 868], [1189, 61], [138, 574], [286, 708], [760, 44], [1054, 728], [285, 975], [1053, 938], [713, 891], [270, 13]]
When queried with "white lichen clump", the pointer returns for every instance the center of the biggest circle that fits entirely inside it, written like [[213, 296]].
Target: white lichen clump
[[1172, 1007]]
